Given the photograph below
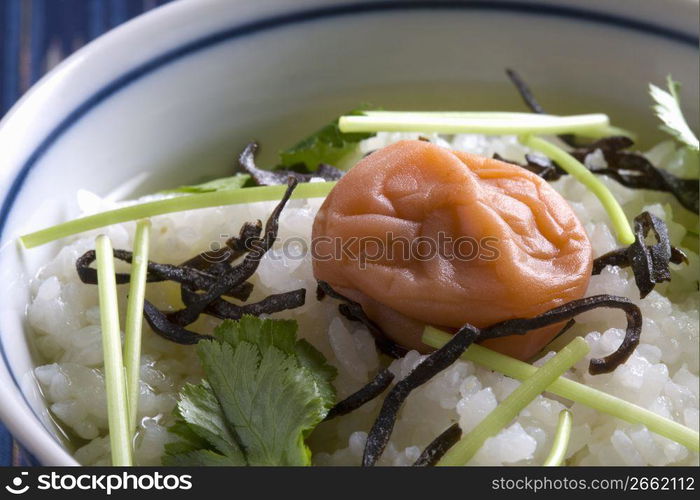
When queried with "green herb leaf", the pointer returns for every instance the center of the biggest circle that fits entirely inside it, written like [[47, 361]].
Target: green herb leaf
[[198, 458], [188, 440], [282, 334], [327, 145], [236, 181], [199, 407], [668, 109], [265, 391]]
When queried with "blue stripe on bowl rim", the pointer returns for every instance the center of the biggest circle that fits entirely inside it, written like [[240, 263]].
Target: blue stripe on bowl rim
[[304, 16]]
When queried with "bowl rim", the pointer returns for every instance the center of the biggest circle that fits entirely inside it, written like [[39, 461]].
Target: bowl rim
[[25, 431]]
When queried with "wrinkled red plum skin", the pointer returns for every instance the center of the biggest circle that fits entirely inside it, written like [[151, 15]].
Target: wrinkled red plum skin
[[414, 189]]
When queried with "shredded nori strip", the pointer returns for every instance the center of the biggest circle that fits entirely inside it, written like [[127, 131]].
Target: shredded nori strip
[[185, 275], [524, 91], [442, 358], [277, 302], [236, 275], [569, 324], [234, 248], [571, 309], [160, 324], [649, 263], [272, 177], [531, 102], [215, 276], [631, 169], [439, 446], [367, 393], [619, 258], [538, 165], [607, 145], [635, 171], [615, 258], [354, 312], [430, 366]]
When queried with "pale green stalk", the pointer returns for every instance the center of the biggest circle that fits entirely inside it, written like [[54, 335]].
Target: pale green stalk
[[510, 407], [587, 178], [115, 383], [574, 391], [488, 115], [593, 125], [561, 440], [134, 317], [170, 205]]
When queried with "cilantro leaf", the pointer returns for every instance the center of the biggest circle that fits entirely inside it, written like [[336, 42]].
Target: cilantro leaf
[[280, 332], [188, 439], [264, 392], [311, 359], [327, 145], [200, 409], [236, 181], [668, 109], [198, 458]]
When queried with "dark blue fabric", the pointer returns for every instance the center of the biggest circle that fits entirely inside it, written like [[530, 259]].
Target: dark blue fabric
[[34, 36]]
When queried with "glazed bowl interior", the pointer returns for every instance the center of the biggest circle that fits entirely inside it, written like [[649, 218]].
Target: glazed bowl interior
[[173, 96]]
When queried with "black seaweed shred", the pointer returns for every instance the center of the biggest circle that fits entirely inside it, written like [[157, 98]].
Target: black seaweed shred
[[569, 311], [354, 312], [433, 364], [272, 177], [649, 263], [277, 302], [160, 324], [630, 169], [529, 98], [635, 171], [367, 393], [524, 91], [206, 279], [439, 446], [235, 275], [199, 277], [538, 165], [442, 358], [568, 326], [233, 249]]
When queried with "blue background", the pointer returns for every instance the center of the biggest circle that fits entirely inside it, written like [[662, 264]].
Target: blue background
[[35, 36]]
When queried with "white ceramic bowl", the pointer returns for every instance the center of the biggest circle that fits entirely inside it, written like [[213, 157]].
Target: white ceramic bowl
[[177, 91]]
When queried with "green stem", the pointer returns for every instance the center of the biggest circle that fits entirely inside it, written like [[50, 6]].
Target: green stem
[[587, 178], [115, 384], [561, 440], [574, 391], [134, 317], [510, 407], [472, 115], [593, 125], [170, 205]]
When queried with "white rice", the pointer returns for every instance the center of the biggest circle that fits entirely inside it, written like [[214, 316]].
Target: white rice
[[662, 375]]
